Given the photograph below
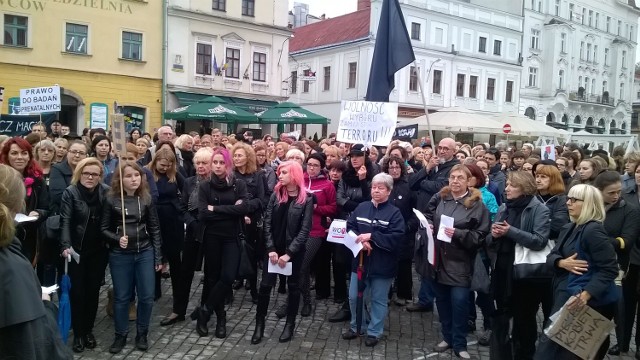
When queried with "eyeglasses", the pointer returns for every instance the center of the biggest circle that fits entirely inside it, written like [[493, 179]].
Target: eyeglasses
[[77, 153], [573, 200], [394, 168], [443, 148], [312, 165], [90, 175]]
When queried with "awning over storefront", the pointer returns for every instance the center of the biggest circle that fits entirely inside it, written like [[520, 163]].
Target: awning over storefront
[[250, 105]]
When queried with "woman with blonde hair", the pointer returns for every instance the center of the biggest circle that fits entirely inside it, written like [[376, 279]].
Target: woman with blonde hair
[[44, 153], [61, 145], [80, 214], [280, 152], [143, 145], [333, 153], [185, 144]]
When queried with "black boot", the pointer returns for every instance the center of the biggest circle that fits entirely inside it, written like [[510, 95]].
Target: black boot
[[287, 332], [203, 319], [142, 343], [78, 344], [258, 333], [221, 324], [306, 308], [118, 344], [195, 313]]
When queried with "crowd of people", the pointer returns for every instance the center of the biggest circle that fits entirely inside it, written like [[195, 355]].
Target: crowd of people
[[233, 206]]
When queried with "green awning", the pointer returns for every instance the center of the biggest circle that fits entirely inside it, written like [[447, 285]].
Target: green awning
[[290, 113], [212, 108], [249, 105]]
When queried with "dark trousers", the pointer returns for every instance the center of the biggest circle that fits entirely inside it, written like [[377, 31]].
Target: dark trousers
[[222, 256], [341, 257], [86, 278], [188, 268], [630, 299], [404, 281], [322, 268], [252, 238], [527, 298], [175, 263], [293, 295], [311, 249], [485, 303]]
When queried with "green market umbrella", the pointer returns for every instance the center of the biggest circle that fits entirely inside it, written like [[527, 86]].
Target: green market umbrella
[[290, 113], [212, 108]]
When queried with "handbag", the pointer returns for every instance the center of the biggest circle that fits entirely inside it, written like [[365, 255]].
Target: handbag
[[480, 280], [52, 227], [532, 264], [421, 254], [246, 268]]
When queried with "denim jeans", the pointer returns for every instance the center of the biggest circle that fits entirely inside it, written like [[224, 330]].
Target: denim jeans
[[453, 310], [129, 270], [426, 293], [376, 292]]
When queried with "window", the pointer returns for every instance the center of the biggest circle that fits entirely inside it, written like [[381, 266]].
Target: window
[[593, 85], [580, 81], [233, 63], [606, 57], [294, 82], [608, 23], [588, 52], [619, 27], [626, 29], [131, 45], [305, 83], [353, 67], [586, 85], [621, 91], [590, 17], [460, 85], [437, 82], [571, 7], [482, 45], [557, 7], [595, 53], [563, 43], [220, 5], [584, 15], [15, 30], [581, 50], [624, 59], [248, 7], [76, 38], [508, 97], [561, 79], [631, 33], [415, 31], [473, 87], [413, 78], [439, 36], [604, 87], [533, 76], [497, 47], [259, 66], [327, 78], [597, 20], [203, 59], [535, 38], [491, 88]]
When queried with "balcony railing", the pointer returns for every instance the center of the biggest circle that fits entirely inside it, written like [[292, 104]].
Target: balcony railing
[[592, 98]]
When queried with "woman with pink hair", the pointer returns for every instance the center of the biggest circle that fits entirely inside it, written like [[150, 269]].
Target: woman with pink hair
[[222, 204], [287, 222]]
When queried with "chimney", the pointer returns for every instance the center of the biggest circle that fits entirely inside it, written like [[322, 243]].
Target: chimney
[[364, 4]]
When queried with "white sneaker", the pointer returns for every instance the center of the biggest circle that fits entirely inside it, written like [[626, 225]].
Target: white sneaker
[[442, 347], [464, 354]]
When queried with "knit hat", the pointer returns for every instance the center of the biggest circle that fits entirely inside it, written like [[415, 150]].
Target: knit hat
[[322, 159]]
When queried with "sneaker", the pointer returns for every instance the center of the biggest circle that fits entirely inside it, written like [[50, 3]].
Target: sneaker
[[118, 344], [484, 338], [464, 354], [441, 347]]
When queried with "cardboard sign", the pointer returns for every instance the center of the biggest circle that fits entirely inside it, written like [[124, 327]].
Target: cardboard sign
[[39, 100], [581, 331], [366, 122], [119, 135]]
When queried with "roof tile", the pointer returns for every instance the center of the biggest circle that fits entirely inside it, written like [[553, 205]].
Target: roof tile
[[336, 30]]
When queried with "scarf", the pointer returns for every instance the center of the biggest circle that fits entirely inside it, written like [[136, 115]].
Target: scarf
[[221, 183], [515, 207], [28, 182]]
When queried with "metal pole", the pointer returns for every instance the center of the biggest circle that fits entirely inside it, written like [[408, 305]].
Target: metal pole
[[424, 99]]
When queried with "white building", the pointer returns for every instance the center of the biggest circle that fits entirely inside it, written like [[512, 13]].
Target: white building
[[250, 36], [473, 52], [578, 64]]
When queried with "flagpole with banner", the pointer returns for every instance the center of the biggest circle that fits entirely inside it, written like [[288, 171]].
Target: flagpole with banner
[[120, 143], [424, 102]]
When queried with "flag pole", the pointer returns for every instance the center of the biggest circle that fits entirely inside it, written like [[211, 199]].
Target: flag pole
[[124, 228], [424, 102]]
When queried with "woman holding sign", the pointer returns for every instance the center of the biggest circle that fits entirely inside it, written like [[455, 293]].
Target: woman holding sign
[[287, 223], [455, 252]]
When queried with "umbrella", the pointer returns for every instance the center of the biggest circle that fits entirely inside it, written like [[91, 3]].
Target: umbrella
[[524, 126], [360, 300], [457, 120], [212, 108], [64, 306], [290, 113]]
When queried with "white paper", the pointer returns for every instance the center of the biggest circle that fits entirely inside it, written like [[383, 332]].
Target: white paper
[[423, 220], [445, 222], [50, 289], [431, 251], [350, 242], [286, 271], [337, 231], [20, 218], [74, 255]]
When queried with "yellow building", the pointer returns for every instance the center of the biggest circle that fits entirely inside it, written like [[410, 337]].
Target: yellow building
[[100, 52]]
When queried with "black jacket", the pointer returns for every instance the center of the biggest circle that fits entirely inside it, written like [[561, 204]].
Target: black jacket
[[498, 177], [74, 216], [623, 221], [29, 231], [597, 242], [226, 215], [352, 191], [59, 179], [558, 213], [256, 191], [631, 197], [454, 261], [141, 223], [405, 200], [299, 219], [430, 183]]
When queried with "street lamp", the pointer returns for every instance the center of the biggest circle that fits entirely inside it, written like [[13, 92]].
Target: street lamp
[[282, 47], [431, 67]]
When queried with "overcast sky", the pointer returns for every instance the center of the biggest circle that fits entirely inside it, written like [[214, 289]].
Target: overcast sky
[[332, 8]]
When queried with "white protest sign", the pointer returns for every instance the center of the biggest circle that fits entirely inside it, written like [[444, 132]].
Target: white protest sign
[[337, 231], [119, 134], [548, 152], [366, 122], [39, 100]]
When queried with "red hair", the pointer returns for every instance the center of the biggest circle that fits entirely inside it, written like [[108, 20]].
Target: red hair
[[32, 169], [297, 177]]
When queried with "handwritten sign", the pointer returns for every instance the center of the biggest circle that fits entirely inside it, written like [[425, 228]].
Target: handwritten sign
[[580, 331], [366, 122]]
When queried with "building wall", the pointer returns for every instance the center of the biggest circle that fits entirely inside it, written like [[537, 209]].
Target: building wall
[[45, 59]]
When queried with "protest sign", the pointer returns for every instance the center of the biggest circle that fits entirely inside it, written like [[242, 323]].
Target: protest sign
[[366, 122], [20, 125], [98, 115], [119, 134], [40, 99], [548, 152], [579, 331], [406, 132]]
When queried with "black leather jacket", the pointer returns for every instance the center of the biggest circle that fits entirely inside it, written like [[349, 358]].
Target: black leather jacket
[[299, 220], [141, 224], [74, 216]]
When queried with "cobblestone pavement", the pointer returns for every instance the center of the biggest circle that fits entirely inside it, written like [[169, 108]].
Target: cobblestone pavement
[[407, 335]]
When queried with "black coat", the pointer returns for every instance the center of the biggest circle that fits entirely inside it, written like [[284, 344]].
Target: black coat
[[256, 190], [631, 197], [299, 219], [623, 221], [170, 213], [31, 232], [405, 200], [352, 191], [226, 215], [59, 179], [74, 217], [430, 183], [558, 214]]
